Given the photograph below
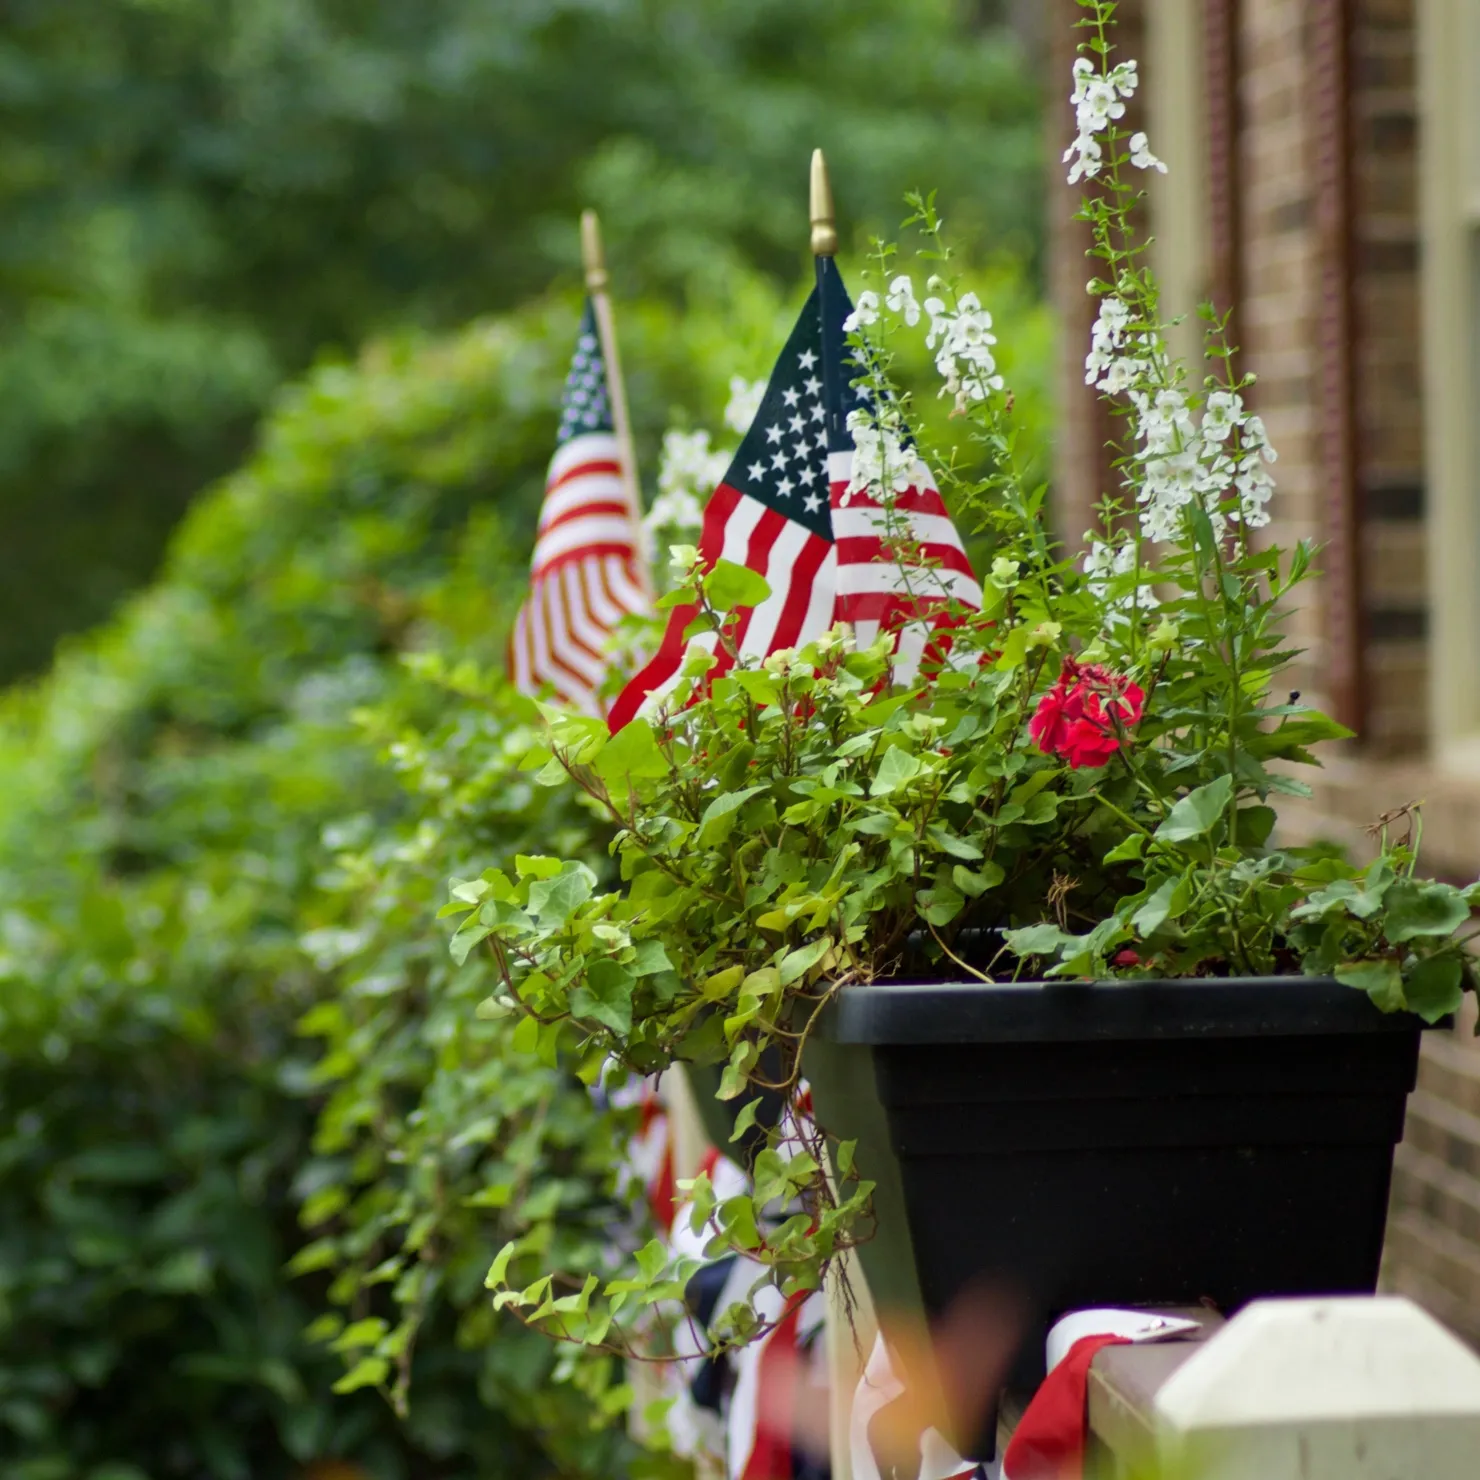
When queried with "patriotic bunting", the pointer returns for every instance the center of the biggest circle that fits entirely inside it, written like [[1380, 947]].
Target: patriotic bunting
[[1050, 1437], [738, 1410]]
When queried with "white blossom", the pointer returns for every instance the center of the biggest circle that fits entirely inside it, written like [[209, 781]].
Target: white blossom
[[901, 299], [1106, 338], [1121, 375], [1256, 436], [1005, 572], [1141, 155], [865, 312], [883, 461], [1103, 563], [1097, 103], [1255, 488], [688, 472], [1190, 450], [962, 339], [745, 401], [1086, 149], [1223, 412]]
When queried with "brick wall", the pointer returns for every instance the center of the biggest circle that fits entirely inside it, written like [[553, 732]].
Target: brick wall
[[1389, 380], [1285, 251], [1432, 1251], [1275, 321]]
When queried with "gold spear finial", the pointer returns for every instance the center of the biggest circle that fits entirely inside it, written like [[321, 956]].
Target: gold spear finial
[[593, 259], [824, 230]]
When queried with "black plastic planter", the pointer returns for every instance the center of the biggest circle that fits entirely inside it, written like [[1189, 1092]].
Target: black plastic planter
[[1123, 1143]]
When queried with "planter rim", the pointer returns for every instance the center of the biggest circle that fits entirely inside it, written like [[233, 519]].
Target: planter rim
[[927, 1011]]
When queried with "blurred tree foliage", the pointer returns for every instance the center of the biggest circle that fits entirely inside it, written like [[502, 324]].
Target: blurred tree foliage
[[200, 196]]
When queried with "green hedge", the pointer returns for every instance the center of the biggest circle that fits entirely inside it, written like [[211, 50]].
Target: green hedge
[[163, 796]]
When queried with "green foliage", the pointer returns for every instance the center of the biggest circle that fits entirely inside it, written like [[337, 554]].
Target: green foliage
[[201, 198], [164, 794], [163, 801], [1084, 785], [446, 1133]]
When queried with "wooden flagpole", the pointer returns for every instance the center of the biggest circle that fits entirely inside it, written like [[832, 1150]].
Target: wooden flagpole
[[593, 259]]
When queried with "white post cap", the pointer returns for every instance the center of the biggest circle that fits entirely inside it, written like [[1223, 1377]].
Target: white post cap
[[1361, 1388]]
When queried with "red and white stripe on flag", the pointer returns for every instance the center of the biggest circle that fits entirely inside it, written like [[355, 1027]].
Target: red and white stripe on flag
[[798, 565], [584, 578], [589, 566], [901, 564]]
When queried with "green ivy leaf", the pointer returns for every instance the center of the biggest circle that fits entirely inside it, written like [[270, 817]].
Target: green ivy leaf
[[461, 945], [1381, 980], [526, 1035], [1293, 736], [1152, 915], [795, 964], [745, 1119], [719, 816], [976, 882], [940, 905], [366, 1332], [729, 585], [1255, 824], [737, 1218], [554, 900], [468, 890], [497, 1271], [1036, 940], [367, 1372], [605, 994], [651, 958], [955, 846], [1414, 909], [898, 768], [722, 983], [1435, 987], [631, 754], [1198, 812], [1128, 849]]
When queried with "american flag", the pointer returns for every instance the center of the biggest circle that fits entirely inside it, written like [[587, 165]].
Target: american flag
[[587, 571], [784, 509]]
